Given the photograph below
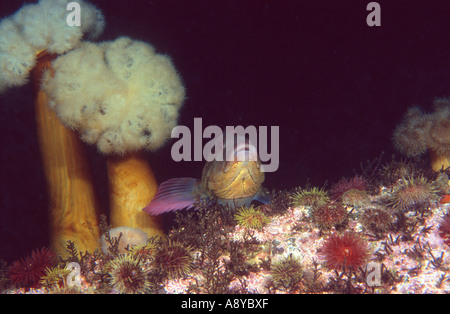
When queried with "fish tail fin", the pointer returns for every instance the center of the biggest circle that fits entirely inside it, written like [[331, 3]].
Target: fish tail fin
[[172, 195]]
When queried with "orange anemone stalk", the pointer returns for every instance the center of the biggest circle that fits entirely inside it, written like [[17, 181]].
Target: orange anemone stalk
[[132, 185], [71, 195], [439, 161]]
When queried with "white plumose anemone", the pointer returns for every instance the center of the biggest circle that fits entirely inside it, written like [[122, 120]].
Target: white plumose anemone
[[38, 27], [121, 95]]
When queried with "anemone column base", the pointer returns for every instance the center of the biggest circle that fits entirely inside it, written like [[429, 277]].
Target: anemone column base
[[132, 185]]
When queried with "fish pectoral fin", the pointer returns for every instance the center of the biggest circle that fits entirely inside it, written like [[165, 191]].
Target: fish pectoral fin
[[262, 196]]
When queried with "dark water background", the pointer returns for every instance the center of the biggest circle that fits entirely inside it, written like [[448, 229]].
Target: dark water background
[[334, 86]]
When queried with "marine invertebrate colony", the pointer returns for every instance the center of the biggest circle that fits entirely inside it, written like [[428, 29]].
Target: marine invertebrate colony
[[355, 198], [132, 107], [394, 170], [27, 38], [121, 95], [377, 220], [409, 137], [419, 132], [38, 27]]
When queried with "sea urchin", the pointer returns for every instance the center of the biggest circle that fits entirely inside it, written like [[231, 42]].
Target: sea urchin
[[28, 271], [174, 259], [127, 275], [329, 215], [344, 185], [342, 252], [314, 197], [287, 273], [413, 193], [250, 217]]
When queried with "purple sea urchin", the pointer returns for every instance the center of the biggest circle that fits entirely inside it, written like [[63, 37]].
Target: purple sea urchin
[[413, 193]]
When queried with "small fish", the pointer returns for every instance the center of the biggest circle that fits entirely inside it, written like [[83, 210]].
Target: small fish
[[234, 183]]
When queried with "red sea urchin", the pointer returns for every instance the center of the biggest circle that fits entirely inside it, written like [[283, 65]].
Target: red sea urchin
[[27, 271], [346, 251]]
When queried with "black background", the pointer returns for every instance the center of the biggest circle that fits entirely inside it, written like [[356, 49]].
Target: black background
[[335, 87]]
